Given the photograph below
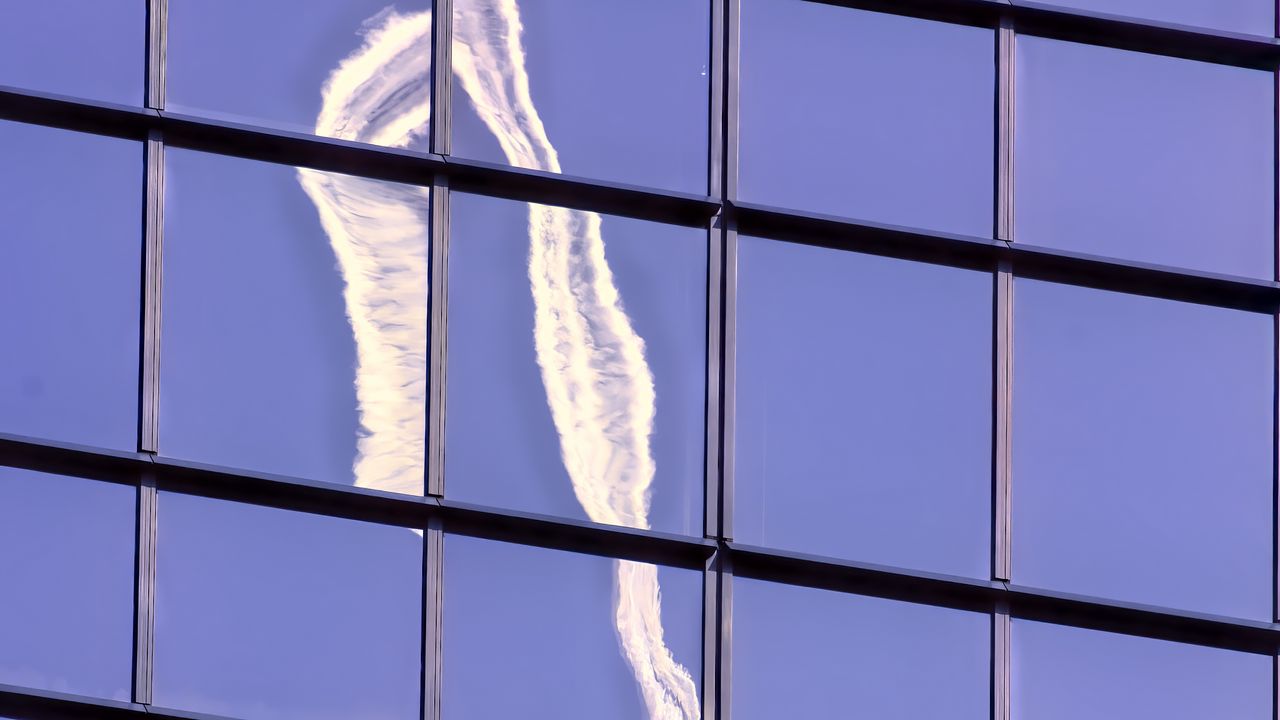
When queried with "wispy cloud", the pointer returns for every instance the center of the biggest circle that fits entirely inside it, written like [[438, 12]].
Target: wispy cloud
[[599, 387]]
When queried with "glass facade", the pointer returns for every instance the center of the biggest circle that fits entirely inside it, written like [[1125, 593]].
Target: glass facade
[[672, 360]]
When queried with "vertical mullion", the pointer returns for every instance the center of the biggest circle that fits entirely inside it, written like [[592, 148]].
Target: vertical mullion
[[1004, 129], [441, 76], [157, 49], [144, 582], [1002, 387], [1001, 629], [152, 288], [438, 310], [432, 617]]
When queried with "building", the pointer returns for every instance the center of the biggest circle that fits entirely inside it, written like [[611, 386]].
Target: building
[[678, 359]]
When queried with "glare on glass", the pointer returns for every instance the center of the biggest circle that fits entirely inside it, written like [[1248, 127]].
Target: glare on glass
[[867, 115], [351, 69], [576, 364], [1064, 673], [1142, 448], [1143, 157], [265, 613], [295, 327], [1255, 17], [863, 423], [567, 636], [70, 279], [801, 652], [611, 90], [93, 49], [66, 563]]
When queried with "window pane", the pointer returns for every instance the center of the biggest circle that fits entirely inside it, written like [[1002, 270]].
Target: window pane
[[350, 69], [1241, 16], [1146, 158], [66, 559], [264, 613], [95, 49], [836, 117], [577, 354], [609, 90], [1064, 673], [294, 322], [71, 217], [1142, 449], [800, 652], [567, 636], [863, 425]]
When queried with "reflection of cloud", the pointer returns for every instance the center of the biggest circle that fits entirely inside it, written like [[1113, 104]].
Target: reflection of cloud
[[598, 384], [379, 233]]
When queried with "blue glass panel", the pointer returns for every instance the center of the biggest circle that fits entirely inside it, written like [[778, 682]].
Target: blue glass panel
[[1142, 449], [264, 613], [1064, 673], [576, 364], [1241, 16], [800, 652], [616, 91], [70, 280], [66, 559], [549, 635], [838, 117], [352, 69], [95, 49], [863, 425], [1147, 158], [294, 336]]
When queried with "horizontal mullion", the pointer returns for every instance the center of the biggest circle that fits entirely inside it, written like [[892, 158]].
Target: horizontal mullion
[[642, 545], [1022, 602], [354, 158], [1027, 260], [1118, 31]]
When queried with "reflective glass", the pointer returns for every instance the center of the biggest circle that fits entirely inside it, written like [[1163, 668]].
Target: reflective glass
[[1142, 449], [1144, 157], [576, 364], [264, 613], [863, 426], [295, 327], [94, 49], [70, 279], [610, 90], [1241, 16], [543, 634], [66, 563], [867, 115], [800, 652], [351, 69], [1064, 673]]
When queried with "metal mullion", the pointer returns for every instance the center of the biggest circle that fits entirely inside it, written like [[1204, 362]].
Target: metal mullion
[[1001, 632], [157, 52], [438, 290], [152, 291], [717, 682], [1002, 387], [441, 76], [432, 617], [144, 581]]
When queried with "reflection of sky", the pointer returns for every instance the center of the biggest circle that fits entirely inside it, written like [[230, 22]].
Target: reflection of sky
[[265, 613], [867, 115], [66, 569], [1151, 158], [805, 653], [533, 624], [1062, 673], [864, 407], [1244, 16], [1163, 409], [94, 49], [70, 205], [622, 87]]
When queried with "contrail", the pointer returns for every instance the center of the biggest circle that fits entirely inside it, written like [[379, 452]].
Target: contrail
[[598, 384]]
